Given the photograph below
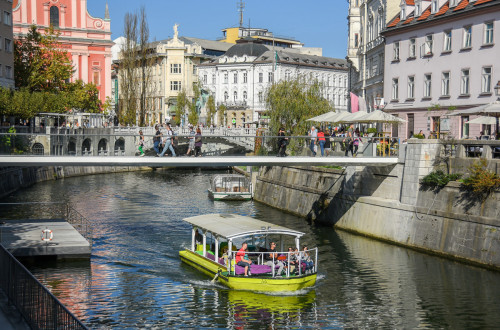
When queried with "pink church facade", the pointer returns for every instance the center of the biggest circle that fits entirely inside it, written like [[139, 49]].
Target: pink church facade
[[86, 38]]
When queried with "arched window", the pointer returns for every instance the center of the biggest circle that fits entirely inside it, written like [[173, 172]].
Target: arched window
[[235, 96], [54, 16]]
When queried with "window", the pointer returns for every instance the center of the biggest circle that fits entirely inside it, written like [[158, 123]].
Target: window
[[403, 12], [427, 85], [8, 72], [287, 75], [245, 77], [1, 70], [261, 96], [418, 8], [434, 6], [214, 79], [412, 51], [261, 77], [175, 68], [226, 77], [488, 33], [235, 77], [175, 85], [486, 80], [270, 77], [205, 78], [445, 84], [226, 96], [245, 96], [395, 52], [447, 41], [8, 45], [464, 82], [7, 17], [380, 63], [235, 96], [96, 78], [411, 87], [467, 37], [356, 40], [428, 45], [395, 88]]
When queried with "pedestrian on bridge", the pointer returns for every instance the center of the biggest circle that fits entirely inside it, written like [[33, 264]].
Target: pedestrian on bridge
[[197, 143], [141, 143], [282, 142], [168, 141], [313, 133], [192, 134], [157, 140]]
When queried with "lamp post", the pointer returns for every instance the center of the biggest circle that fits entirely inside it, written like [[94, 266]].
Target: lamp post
[[378, 99]]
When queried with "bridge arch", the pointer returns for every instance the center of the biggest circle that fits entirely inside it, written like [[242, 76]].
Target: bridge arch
[[102, 147], [72, 147], [86, 147], [119, 146], [37, 149]]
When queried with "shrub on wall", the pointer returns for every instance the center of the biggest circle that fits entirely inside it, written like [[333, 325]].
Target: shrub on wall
[[438, 179], [418, 136], [481, 181]]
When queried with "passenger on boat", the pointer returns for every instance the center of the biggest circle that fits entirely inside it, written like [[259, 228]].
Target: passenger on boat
[[292, 259], [306, 259], [269, 258], [242, 259]]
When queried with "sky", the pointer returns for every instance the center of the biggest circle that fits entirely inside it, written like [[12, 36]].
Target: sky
[[316, 23]]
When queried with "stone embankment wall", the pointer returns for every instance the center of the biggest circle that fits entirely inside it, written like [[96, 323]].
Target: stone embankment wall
[[15, 178], [388, 203]]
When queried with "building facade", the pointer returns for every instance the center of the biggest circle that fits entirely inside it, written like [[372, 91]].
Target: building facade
[[87, 39], [240, 78], [367, 19], [6, 45], [441, 56], [172, 69]]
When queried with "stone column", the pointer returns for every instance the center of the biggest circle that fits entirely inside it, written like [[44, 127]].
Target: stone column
[[85, 68], [34, 18], [73, 14], [24, 11]]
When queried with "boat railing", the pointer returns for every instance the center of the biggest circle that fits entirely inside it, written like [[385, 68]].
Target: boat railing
[[308, 261]]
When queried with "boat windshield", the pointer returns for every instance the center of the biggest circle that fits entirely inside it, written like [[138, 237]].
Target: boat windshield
[[230, 183]]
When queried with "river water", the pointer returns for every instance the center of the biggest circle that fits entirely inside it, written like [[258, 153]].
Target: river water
[[136, 280]]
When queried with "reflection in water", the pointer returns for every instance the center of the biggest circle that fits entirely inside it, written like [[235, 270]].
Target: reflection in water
[[135, 277]]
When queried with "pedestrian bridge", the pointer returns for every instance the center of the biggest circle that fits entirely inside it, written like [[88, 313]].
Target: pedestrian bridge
[[209, 161]]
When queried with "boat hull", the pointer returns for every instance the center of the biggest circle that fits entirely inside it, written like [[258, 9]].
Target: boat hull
[[230, 196], [251, 283]]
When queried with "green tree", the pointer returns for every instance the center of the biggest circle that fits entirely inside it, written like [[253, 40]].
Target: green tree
[[211, 110], [193, 116], [182, 104], [292, 102], [221, 112], [40, 62], [84, 97]]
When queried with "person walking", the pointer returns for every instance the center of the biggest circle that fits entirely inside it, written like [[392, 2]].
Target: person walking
[[192, 133], [349, 140], [197, 143], [168, 141], [157, 140], [328, 143], [321, 141], [141, 143], [282, 142], [313, 133], [355, 144]]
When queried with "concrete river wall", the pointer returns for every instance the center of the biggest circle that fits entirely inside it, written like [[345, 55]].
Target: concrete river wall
[[388, 203]]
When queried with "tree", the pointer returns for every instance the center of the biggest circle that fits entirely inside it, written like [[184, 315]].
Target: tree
[[193, 115], [211, 110], [292, 102], [85, 97], [221, 112], [40, 62], [182, 103]]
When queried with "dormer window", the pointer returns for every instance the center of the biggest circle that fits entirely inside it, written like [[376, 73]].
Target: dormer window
[[403, 12], [453, 3], [418, 8], [434, 6]]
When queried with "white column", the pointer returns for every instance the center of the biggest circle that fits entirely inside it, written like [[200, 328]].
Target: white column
[[107, 76], [74, 59], [46, 9], [24, 11], [34, 19], [73, 13], [83, 13], [62, 16]]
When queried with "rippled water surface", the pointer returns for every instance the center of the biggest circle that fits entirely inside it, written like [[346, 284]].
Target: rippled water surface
[[136, 280]]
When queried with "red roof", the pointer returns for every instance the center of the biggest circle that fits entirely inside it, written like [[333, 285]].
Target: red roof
[[478, 2], [394, 22], [461, 5], [443, 9], [410, 2], [408, 20], [426, 14]]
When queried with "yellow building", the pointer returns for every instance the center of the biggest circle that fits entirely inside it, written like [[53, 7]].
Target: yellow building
[[230, 35]]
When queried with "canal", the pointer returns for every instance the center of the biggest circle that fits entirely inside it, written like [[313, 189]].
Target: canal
[[136, 280]]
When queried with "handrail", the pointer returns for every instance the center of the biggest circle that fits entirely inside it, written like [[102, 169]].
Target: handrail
[[38, 306]]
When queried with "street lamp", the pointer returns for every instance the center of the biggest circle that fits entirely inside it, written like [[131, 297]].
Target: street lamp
[[378, 99]]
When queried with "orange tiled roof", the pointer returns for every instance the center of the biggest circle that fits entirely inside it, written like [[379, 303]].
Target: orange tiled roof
[[461, 5], [443, 9], [478, 2], [425, 14], [394, 22], [408, 20], [410, 2]]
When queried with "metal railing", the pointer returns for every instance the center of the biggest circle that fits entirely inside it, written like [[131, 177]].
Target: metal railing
[[38, 306], [48, 210]]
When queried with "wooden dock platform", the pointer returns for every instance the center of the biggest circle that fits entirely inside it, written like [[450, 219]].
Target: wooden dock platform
[[23, 239]]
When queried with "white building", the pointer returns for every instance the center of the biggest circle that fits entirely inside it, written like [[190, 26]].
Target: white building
[[442, 56], [240, 78]]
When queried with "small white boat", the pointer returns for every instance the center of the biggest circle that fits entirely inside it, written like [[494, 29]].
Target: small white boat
[[231, 187]]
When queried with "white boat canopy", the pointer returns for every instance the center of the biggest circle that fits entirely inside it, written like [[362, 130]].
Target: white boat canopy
[[232, 226]]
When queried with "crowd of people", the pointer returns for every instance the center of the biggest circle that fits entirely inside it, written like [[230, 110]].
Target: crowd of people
[[322, 138], [292, 260], [165, 141]]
